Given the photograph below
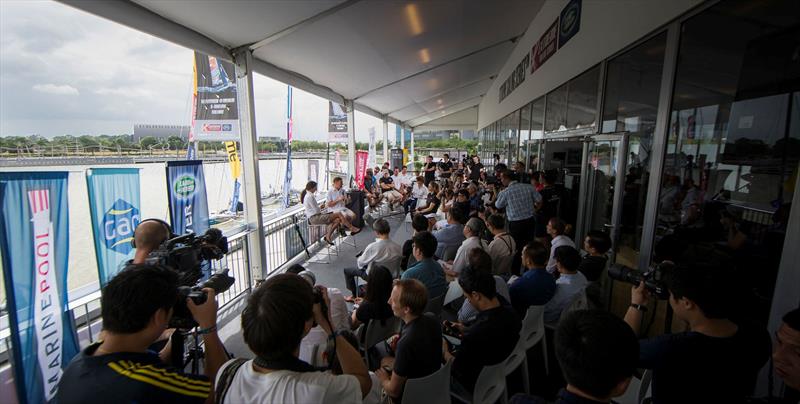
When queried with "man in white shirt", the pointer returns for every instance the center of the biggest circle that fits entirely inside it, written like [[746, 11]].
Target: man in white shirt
[[502, 247], [397, 179], [278, 314], [472, 232], [556, 228], [568, 285], [337, 199], [418, 191], [381, 250]]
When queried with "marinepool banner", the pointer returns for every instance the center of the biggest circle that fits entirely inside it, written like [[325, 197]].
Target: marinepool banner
[[188, 203], [216, 114], [114, 208], [35, 226], [337, 123], [361, 167]]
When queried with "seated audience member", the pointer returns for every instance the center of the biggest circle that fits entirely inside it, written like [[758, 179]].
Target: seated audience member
[[569, 283], [596, 245], [426, 269], [388, 192], [556, 229], [137, 305], [472, 232], [493, 334], [419, 223], [418, 353], [786, 354], [375, 305], [418, 191], [453, 234], [597, 353], [278, 314], [433, 203], [381, 250], [717, 360], [480, 260], [536, 286], [502, 247]]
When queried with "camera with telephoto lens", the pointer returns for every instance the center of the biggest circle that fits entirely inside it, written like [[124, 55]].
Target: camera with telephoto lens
[[318, 298], [654, 278], [188, 255]]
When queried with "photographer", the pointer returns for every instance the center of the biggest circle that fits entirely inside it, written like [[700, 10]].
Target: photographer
[[278, 314], [147, 237], [717, 360], [137, 305]]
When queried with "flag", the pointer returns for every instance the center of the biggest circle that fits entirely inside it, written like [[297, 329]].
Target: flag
[[114, 209], [34, 226], [188, 202], [361, 167], [287, 183]]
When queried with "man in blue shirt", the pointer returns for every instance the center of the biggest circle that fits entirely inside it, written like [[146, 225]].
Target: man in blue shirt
[[536, 286], [452, 235], [520, 201], [427, 270]]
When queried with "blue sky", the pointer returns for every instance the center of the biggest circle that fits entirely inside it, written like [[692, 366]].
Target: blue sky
[[63, 71]]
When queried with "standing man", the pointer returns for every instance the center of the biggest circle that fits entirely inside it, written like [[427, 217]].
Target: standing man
[[519, 200], [445, 167], [430, 170], [475, 169]]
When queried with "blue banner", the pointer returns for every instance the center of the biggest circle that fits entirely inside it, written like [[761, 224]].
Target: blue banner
[[287, 182], [114, 207], [35, 226], [235, 199], [188, 203]]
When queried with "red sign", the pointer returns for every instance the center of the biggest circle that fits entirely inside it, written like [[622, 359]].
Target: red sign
[[545, 47], [361, 167]]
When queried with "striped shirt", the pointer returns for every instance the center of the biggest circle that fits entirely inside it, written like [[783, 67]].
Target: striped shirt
[[518, 200]]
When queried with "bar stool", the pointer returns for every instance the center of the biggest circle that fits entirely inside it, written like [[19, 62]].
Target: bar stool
[[317, 232]]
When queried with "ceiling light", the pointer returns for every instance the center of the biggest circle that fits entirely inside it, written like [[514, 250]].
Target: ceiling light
[[414, 23], [424, 56]]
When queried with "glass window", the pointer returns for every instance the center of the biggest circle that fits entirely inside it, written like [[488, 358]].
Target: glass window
[[582, 100], [537, 134], [732, 156], [556, 115], [524, 133]]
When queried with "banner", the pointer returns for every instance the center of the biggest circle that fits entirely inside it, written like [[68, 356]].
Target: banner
[[114, 208], [287, 182], [361, 167], [371, 159], [313, 170], [233, 159], [337, 161], [188, 203], [34, 226], [337, 123], [216, 114]]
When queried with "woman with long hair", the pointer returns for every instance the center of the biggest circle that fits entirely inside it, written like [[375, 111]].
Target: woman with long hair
[[316, 217], [375, 305]]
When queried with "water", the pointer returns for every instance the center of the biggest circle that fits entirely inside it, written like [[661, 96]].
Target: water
[[152, 178]]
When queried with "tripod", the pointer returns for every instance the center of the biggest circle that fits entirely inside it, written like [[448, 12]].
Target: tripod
[[179, 357]]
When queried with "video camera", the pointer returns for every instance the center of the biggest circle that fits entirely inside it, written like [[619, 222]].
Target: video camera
[[186, 255], [654, 278]]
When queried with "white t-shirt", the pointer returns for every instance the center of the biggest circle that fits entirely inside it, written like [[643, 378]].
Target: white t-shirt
[[310, 205], [284, 386], [334, 194]]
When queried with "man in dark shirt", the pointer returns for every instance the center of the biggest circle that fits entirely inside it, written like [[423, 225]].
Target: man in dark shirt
[[418, 353], [536, 286], [446, 167], [137, 305], [493, 334], [475, 169], [596, 245], [430, 170], [717, 360], [551, 202]]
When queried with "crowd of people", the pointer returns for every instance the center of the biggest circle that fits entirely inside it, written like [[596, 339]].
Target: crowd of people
[[495, 237]]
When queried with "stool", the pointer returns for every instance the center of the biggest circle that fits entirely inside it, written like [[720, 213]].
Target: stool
[[327, 250]]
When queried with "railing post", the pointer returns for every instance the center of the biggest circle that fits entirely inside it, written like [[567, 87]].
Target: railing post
[[252, 189]]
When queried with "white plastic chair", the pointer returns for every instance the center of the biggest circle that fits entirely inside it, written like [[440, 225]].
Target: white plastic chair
[[454, 291], [645, 387], [489, 388], [434, 388], [519, 358], [533, 331], [435, 305]]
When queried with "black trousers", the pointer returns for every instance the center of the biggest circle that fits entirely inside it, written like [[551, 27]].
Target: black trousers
[[410, 204], [350, 278], [522, 232]]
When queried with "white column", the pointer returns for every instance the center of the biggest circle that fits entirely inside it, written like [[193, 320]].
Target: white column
[[386, 138], [402, 138], [257, 257], [351, 139]]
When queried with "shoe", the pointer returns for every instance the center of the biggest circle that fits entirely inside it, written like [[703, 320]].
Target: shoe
[[341, 232], [353, 233], [328, 241]]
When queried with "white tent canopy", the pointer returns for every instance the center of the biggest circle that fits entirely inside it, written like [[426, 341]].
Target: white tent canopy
[[412, 62]]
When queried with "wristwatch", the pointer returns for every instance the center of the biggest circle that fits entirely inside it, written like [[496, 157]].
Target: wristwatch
[[639, 307]]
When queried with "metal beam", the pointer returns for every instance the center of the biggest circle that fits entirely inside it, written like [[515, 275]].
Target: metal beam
[[308, 21], [447, 114], [448, 91], [475, 52]]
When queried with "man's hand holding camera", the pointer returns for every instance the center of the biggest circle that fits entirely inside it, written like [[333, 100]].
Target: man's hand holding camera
[[640, 297], [205, 314], [321, 313]]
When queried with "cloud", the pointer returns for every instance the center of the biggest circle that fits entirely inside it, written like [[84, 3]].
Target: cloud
[[63, 89]]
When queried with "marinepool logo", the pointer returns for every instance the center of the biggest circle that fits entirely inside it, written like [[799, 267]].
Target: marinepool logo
[[119, 223], [184, 186]]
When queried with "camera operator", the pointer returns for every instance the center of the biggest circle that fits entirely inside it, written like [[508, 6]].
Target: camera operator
[[147, 237], [137, 305], [717, 360]]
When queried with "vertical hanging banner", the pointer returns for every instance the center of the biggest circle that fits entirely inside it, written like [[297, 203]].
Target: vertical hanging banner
[[371, 159], [313, 170], [337, 123], [188, 203], [114, 208], [216, 114], [35, 225], [337, 161], [287, 182], [236, 172], [361, 167]]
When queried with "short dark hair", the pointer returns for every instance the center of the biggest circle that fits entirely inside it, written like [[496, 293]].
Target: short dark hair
[[295, 269], [420, 178], [458, 214], [596, 351], [512, 176], [273, 323], [337, 179], [464, 193], [419, 222], [792, 319], [426, 243], [480, 260], [599, 240], [550, 176], [496, 221], [568, 257], [558, 225], [476, 280], [381, 226], [379, 284], [537, 253], [707, 285], [131, 298], [413, 295]]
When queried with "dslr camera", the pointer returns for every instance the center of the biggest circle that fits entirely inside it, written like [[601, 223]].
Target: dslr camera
[[188, 255], [654, 278]]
